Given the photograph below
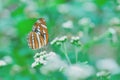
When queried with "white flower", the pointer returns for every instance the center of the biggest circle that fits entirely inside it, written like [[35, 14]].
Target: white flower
[[63, 38], [118, 8], [89, 6], [7, 59], [78, 72], [108, 64], [118, 1], [54, 41], [43, 53], [34, 64], [2, 63], [52, 54], [58, 40], [54, 62], [84, 21], [36, 55], [76, 38], [63, 8], [114, 21], [41, 58], [68, 24], [114, 35], [80, 34], [112, 31], [15, 69]]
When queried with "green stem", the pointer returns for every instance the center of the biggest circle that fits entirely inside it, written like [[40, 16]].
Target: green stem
[[65, 53], [76, 54]]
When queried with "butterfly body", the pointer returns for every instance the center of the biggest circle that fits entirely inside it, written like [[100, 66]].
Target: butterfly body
[[38, 37]]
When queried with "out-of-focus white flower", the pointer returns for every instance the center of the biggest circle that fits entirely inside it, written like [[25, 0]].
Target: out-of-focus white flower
[[89, 6], [51, 54], [80, 34], [5, 13], [78, 72], [118, 1], [114, 21], [64, 8], [86, 22], [68, 24], [12, 32], [118, 8], [53, 63], [30, 8], [114, 35], [102, 73], [112, 31], [7, 59], [15, 69], [108, 64], [2, 63]]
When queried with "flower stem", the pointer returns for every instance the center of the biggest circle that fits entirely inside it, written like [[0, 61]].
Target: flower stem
[[65, 53], [76, 54]]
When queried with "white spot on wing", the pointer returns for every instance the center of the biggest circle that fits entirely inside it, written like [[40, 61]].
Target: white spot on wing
[[38, 38], [44, 37], [33, 41], [43, 26]]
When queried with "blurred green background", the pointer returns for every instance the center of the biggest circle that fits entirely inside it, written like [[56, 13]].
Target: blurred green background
[[96, 22]]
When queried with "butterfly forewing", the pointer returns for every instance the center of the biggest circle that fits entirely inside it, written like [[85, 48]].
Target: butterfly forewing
[[39, 35]]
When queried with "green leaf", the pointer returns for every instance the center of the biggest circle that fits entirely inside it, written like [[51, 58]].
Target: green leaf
[[25, 26], [100, 3]]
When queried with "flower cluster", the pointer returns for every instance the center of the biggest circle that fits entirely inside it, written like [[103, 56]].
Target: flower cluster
[[59, 40], [41, 58], [75, 41]]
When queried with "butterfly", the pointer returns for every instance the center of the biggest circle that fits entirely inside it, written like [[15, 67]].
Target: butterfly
[[38, 37]]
